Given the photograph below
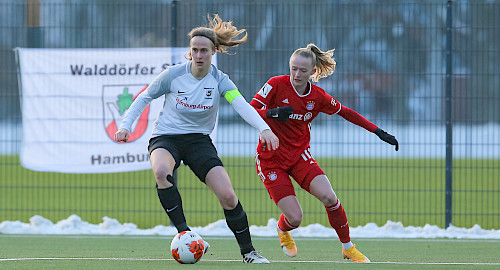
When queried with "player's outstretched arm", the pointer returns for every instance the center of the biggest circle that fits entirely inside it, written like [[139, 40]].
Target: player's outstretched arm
[[386, 137], [356, 118]]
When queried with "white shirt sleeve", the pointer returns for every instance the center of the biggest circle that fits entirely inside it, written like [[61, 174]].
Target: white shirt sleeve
[[141, 102], [157, 88], [249, 114]]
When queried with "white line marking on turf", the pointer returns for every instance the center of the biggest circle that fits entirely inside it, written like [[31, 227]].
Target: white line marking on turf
[[267, 238], [209, 260]]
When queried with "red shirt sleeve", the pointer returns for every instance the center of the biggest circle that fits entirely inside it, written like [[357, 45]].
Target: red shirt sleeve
[[357, 119], [263, 98], [258, 107], [330, 104]]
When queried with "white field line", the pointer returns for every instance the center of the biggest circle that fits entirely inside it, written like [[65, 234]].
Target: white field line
[[270, 238], [209, 260]]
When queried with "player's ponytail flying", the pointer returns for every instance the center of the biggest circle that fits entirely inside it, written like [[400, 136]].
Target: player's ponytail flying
[[220, 33], [323, 61]]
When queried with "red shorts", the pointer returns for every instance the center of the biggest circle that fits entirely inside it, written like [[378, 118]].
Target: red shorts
[[277, 180]]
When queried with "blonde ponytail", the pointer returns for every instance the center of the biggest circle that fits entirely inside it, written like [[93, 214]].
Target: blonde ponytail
[[323, 61]]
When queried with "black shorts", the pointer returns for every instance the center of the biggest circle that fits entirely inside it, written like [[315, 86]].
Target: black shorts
[[195, 149]]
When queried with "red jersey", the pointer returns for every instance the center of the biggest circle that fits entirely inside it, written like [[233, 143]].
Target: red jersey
[[294, 134]]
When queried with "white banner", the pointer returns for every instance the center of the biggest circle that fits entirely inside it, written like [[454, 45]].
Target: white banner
[[73, 99]]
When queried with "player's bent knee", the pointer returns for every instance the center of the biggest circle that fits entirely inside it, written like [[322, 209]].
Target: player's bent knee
[[163, 179], [326, 198], [329, 200], [161, 173], [295, 219], [228, 200]]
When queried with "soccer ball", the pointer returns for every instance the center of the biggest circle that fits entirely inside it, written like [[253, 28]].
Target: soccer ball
[[187, 247]]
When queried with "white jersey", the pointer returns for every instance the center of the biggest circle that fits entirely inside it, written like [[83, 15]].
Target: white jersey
[[191, 104]]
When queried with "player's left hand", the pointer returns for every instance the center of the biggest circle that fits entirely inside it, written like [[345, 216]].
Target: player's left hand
[[268, 138], [386, 137]]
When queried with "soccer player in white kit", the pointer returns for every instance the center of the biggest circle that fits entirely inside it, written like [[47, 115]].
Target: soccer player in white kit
[[192, 94]]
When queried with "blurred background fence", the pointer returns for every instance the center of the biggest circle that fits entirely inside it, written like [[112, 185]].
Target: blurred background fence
[[391, 67]]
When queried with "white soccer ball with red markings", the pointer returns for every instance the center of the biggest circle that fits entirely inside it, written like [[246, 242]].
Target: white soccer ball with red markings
[[187, 247]]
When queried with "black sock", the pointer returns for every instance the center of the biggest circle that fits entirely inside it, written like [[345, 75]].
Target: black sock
[[172, 203], [237, 221]]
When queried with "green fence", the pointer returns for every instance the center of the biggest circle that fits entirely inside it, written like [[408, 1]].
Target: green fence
[[391, 67]]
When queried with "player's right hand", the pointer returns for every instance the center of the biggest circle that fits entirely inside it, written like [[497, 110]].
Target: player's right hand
[[280, 113], [267, 137], [122, 135]]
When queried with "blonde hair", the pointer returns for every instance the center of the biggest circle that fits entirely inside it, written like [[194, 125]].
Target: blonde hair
[[323, 61], [220, 33]]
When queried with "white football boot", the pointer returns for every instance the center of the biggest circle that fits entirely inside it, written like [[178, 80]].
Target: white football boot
[[254, 257]]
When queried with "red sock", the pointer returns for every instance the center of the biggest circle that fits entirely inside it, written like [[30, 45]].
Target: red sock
[[338, 220], [284, 225]]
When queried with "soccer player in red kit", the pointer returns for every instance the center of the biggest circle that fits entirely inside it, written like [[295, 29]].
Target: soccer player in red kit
[[289, 103]]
